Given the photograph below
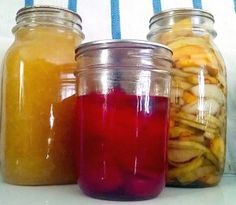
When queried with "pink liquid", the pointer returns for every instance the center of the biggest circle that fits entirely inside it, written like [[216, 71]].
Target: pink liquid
[[123, 145]]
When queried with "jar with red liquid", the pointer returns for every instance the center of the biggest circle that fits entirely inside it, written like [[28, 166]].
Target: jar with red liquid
[[123, 89]]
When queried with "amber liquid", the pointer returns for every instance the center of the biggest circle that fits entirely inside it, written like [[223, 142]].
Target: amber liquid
[[38, 108]]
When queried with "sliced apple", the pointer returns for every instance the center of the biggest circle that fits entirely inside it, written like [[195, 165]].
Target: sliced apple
[[196, 174], [211, 179], [210, 106], [196, 119], [192, 165], [180, 73], [188, 50], [185, 41], [209, 91], [183, 155], [195, 138], [195, 70], [217, 146], [175, 144], [189, 97], [175, 132], [181, 84]]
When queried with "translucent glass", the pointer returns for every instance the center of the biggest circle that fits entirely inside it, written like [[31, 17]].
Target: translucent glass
[[38, 106], [122, 123], [197, 135]]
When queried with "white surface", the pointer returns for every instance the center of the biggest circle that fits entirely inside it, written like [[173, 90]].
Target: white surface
[[223, 194]]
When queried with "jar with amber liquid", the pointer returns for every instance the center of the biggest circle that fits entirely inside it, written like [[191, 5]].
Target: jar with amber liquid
[[197, 133], [38, 98]]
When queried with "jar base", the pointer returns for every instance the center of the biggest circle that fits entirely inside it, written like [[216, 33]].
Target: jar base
[[195, 184], [118, 196], [37, 182]]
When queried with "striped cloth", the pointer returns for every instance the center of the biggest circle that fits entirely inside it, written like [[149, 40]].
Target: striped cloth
[[106, 19]]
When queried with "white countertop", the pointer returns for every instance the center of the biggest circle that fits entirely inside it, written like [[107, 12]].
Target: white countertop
[[223, 194]]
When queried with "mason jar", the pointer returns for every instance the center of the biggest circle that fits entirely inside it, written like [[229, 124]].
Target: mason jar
[[122, 113], [197, 134], [38, 98]]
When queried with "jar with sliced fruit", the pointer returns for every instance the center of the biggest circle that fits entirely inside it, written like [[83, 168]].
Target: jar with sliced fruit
[[198, 98]]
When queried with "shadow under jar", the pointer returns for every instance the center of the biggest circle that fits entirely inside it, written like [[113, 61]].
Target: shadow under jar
[[197, 135], [122, 108], [39, 98]]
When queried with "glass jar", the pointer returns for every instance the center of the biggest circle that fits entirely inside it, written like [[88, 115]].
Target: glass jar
[[122, 109], [39, 98], [198, 99]]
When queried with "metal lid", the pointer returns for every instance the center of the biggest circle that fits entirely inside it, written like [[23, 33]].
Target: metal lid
[[127, 43], [62, 16], [180, 12]]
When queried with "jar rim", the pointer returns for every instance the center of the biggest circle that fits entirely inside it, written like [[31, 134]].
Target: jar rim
[[124, 43], [45, 8], [178, 12], [60, 14]]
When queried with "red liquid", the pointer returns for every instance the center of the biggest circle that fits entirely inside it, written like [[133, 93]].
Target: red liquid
[[123, 142]]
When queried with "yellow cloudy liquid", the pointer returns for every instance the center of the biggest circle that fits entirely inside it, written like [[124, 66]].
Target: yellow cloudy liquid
[[38, 107]]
